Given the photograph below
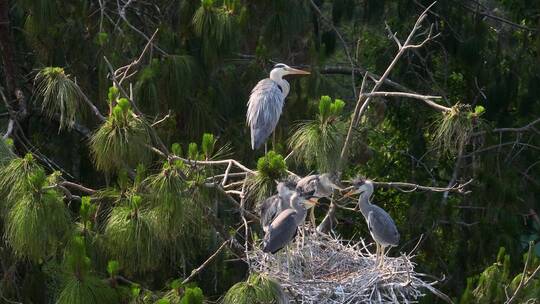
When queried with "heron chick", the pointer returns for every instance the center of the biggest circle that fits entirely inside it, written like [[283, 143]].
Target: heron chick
[[284, 227], [317, 186], [275, 204], [381, 225], [266, 103]]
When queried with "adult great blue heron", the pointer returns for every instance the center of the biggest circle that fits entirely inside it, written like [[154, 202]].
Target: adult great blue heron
[[381, 226], [283, 228], [266, 103], [275, 204]]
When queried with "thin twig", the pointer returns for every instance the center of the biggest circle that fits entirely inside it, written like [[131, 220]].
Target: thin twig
[[197, 270]]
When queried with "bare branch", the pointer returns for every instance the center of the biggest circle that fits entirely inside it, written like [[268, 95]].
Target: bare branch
[[528, 127], [125, 69], [197, 270], [380, 81], [78, 187], [424, 98]]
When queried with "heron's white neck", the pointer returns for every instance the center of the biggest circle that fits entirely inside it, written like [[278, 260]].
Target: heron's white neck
[[277, 76]]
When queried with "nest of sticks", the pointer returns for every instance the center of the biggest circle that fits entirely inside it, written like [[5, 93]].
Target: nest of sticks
[[319, 268]]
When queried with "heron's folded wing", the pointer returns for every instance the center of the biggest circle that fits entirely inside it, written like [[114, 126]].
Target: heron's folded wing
[[264, 108], [382, 226], [281, 231], [269, 209]]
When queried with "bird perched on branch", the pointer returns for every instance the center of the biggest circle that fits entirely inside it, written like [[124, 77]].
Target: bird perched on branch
[[284, 227], [381, 225], [266, 103]]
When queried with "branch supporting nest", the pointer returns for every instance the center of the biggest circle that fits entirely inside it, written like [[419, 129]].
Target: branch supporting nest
[[323, 269]]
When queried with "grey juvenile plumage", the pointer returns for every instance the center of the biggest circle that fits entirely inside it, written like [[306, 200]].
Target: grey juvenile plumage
[[266, 103], [283, 228], [316, 186], [275, 204], [381, 225]]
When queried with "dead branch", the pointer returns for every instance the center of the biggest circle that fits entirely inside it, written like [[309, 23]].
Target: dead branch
[[424, 98], [528, 127], [197, 270], [402, 47], [78, 187]]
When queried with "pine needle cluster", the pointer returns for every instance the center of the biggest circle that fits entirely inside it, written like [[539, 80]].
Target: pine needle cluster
[[81, 286], [455, 128], [179, 206], [15, 178], [317, 143], [38, 222], [270, 168], [121, 141], [131, 235], [256, 289], [215, 26], [60, 95]]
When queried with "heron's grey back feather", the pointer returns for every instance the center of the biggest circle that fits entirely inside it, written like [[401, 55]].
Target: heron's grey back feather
[[264, 108], [382, 226], [271, 208], [281, 231]]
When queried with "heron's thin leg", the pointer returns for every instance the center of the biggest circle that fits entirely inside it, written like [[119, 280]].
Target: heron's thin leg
[[288, 261], [377, 252], [312, 218], [265, 149], [381, 262], [303, 234]]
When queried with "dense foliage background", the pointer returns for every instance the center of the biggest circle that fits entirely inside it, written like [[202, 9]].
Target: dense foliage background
[[196, 78]]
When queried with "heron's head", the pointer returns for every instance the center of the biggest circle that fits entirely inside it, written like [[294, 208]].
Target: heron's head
[[361, 185], [329, 180], [298, 200], [282, 69], [285, 188]]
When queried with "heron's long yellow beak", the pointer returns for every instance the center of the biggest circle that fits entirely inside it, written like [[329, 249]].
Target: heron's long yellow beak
[[297, 71]]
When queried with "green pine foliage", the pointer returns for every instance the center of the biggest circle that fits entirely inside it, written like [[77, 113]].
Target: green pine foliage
[[6, 151], [38, 222], [495, 283], [317, 143], [180, 294], [81, 286], [121, 141], [455, 128], [179, 206], [60, 95], [256, 289], [214, 25], [270, 168], [15, 177], [131, 236]]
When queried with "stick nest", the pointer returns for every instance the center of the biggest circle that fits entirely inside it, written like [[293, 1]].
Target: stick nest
[[324, 269]]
